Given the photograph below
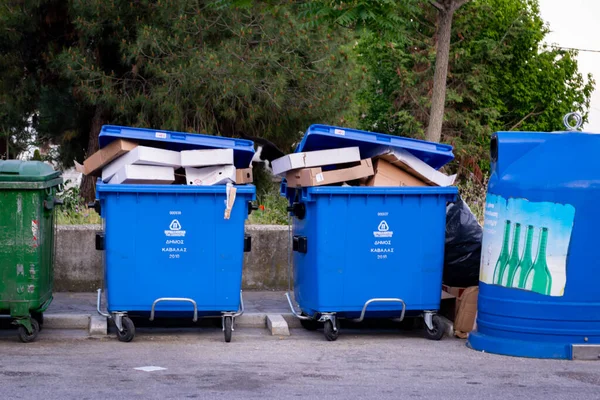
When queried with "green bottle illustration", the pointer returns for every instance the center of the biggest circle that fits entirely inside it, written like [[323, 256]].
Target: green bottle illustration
[[539, 279], [503, 257], [526, 261], [513, 260]]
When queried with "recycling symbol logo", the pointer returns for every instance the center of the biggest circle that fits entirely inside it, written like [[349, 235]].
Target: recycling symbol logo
[[383, 227], [175, 225]]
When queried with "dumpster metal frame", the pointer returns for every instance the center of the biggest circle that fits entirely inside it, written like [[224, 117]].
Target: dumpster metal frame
[[118, 316]]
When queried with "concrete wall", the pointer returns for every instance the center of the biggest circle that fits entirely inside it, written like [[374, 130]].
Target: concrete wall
[[78, 265]]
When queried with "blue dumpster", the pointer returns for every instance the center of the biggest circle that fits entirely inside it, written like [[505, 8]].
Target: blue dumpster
[[169, 251], [538, 294], [362, 252]]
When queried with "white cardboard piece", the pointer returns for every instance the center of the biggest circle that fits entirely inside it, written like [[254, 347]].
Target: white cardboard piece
[[412, 164], [208, 176], [142, 155], [318, 158], [148, 174], [206, 158]]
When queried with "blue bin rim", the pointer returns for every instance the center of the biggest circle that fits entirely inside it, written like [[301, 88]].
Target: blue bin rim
[[383, 190], [109, 133], [177, 141], [323, 137], [519, 348], [102, 187], [449, 192]]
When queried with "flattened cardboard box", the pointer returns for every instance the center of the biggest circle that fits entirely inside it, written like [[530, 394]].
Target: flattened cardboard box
[[318, 158], [144, 174], [412, 164], [466, 312], [307, 177], [94, 163], [206, 158], [142, 155], [208, 176], [243, 176], [388, 175]]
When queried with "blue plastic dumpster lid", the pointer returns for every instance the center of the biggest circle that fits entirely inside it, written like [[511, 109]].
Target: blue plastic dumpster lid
[[323, 137], [243, 150]]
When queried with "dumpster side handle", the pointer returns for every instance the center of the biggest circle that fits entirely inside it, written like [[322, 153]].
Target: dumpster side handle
[[382, 300], [184, 299]]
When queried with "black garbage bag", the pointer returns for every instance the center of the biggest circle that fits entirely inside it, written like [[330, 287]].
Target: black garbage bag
[[463, 246]]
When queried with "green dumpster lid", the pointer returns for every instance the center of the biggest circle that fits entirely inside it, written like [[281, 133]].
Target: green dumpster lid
[[26, 171]]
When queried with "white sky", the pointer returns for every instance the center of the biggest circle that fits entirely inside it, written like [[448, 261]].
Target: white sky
[[574, 23]]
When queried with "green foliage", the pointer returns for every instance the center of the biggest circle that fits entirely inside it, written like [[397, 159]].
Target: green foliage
[[501, 77], [74, 211], [382, 17], [473, 192], [208, 67], [17, 72], [272, 207]]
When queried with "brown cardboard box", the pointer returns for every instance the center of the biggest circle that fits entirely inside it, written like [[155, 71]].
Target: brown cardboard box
[[467, 312], [387, 174], [453, 290], [94, 163], [465, 309], [404, 159], [317, 177], [243, 176]]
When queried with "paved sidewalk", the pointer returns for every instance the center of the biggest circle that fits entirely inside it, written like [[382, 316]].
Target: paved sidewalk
[[85, 303]]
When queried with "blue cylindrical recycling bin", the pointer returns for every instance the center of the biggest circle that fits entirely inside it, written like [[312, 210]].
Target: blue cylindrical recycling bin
[[361, 252], [169, 250], [538, 293]]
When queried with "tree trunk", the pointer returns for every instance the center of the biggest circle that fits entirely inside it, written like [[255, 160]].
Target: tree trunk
[[446, 9], [88, 183], [438, 97]]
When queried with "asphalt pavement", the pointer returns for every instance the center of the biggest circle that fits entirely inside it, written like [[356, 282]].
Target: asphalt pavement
[[370, 363]]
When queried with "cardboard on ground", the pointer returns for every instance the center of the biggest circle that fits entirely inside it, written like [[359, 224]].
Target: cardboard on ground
[[307, 177], [465, 309], [387, 174], [206, 158], [148, 174], [318, 158], [415, 166], [208, 176], [142, 155], [94, 163]]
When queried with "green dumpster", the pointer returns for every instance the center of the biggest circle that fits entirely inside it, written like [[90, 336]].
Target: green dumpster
[[27, 201]]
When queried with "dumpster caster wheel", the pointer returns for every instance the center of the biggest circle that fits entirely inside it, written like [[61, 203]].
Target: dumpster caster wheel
[[438, 328], [128, 330], [228, 328], [39, 317], [330, 334], [309, 324], [25, 336]]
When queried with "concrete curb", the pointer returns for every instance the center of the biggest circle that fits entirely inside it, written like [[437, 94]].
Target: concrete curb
[[277, 325], [252, 320], [67, 321], [97, 325]]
